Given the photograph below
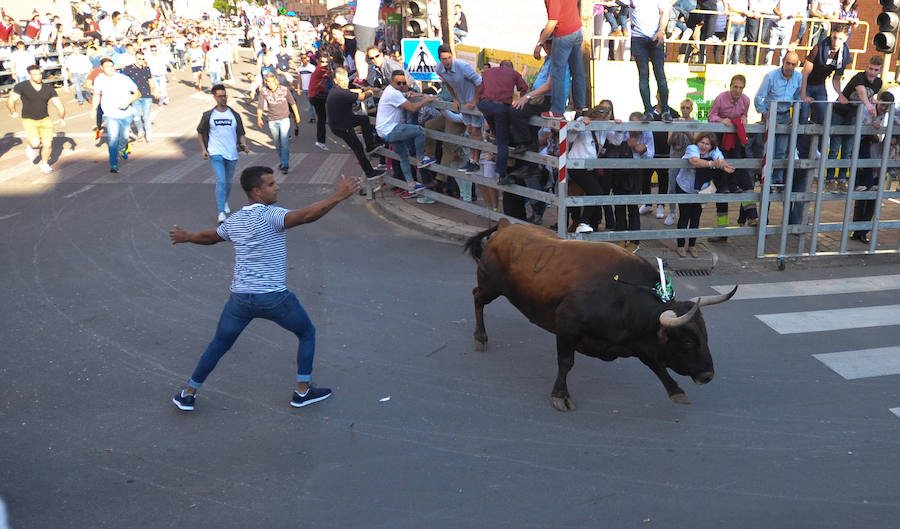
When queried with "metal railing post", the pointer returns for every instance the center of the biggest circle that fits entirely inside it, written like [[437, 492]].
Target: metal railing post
[[562, 219], [766, 179], [851, 178], [789, 180], [820, 184], [882, 173]]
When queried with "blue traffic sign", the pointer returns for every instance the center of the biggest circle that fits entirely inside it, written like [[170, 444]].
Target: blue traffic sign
[[420, 56]]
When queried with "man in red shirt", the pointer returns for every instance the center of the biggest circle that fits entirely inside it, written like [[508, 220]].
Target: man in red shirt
[[564, 25], [495, 97]]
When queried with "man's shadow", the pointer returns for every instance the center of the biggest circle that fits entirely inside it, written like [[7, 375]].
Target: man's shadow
[[59, 142], [7, 142]]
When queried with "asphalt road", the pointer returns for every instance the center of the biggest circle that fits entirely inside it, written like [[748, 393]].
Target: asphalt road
[[104, 320]]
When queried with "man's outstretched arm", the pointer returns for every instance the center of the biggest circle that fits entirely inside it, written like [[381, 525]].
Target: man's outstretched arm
[[313, 212], [178, 234]]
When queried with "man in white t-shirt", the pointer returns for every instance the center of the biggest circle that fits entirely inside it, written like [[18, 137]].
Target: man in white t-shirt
[[114, 93], [389, 125], [159, 60], [221, 135], [365, 24], [304, 72]]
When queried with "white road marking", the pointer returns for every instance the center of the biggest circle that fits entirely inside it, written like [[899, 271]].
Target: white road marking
[[896, 411], [4, 217], [80, 191], [832, 320], [863, 363], [818, 287]]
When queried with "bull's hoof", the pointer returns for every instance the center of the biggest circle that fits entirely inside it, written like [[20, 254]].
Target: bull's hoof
[[563, 403], [680, 398], [480, 347]]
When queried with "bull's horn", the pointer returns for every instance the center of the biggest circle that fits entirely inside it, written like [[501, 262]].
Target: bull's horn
[[669, 319], [712, 300]]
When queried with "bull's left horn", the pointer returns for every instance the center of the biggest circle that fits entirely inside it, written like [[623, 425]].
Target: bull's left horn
[[669, 319], [712, 300]]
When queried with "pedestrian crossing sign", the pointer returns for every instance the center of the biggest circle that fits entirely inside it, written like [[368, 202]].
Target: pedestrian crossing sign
[[420, 56]]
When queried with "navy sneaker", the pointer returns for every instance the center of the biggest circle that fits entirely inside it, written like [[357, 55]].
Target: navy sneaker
[[471, 167], [313, 395], [184, 402]]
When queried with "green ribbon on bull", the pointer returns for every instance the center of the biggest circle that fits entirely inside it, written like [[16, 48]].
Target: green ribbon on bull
[[664, 289]]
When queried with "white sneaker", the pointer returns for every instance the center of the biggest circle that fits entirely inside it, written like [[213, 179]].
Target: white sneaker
[[670, 219], [227, 209], [584, 228], [425, 200], [322, 146], [30, 152], [221, 217], [643, 210], [46, 167], [660, 211]]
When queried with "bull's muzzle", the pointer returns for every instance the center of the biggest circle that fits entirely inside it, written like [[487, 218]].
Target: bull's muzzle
[[703, 378]]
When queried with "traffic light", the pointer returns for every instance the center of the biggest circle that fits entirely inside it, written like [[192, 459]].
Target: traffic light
[[417, 19], [888, 25]]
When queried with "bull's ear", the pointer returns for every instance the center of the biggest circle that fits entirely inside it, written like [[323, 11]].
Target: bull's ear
[[662, 335]]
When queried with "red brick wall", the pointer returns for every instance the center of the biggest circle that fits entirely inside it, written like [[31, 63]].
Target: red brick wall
[[868, 12]]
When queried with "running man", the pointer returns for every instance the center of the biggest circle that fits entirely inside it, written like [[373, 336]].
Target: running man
[[114, 93], [258, 287], [35, 96]]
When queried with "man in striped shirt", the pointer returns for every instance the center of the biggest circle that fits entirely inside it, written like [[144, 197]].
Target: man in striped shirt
[[258, 287]]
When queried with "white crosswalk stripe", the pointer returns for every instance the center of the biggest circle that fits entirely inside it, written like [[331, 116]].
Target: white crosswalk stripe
[[851, 365]]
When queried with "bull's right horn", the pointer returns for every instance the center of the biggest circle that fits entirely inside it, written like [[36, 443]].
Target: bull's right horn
[[670, 320], [712, 300]]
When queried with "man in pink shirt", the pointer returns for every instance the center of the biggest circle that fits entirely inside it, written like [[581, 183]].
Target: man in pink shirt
[[730, 109], [495, 97]]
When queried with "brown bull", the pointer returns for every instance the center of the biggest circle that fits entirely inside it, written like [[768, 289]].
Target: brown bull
[[597, 298]]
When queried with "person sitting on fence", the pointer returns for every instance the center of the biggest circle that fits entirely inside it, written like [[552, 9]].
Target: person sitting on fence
[[730, 109], [616, 14], [389, 126], [706, 160], [495, 97], [860, 89], [872, 147]]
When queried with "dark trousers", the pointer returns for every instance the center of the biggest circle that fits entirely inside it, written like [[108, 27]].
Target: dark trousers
[[688, 217], [627, 216], [349, 136], [318, 103], [497, 116], [520, 132], [757, 30], [863, 210], [592, 183]]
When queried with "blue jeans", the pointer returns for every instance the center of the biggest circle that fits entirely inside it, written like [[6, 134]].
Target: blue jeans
[[281, 307], [399, 138], [142, 116], [223, 168], [117, 137], [281, 135], [777, 36], [733, 51], [78, 81], [840, 144], [820, 95], [646, 51], [162, 87], [567, 49], [781, 145], [309, 106], [215, 77], [497, 116]]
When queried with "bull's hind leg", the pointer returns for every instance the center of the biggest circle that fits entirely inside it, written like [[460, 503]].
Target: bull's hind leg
[[481, 299], [565, 358]]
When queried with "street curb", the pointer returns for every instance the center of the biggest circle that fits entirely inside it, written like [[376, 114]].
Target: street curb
[[416, 218]]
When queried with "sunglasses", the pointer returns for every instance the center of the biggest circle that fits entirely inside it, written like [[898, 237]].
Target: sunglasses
[[374, 56], [400, 83]]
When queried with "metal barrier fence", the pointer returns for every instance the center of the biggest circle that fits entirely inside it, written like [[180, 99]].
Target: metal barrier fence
[[802, 194], [761, 45]]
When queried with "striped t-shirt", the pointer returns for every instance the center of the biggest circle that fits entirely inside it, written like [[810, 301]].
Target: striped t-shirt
[[260, 252]]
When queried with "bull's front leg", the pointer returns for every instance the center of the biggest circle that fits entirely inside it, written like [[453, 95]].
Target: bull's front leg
[[565, 358], [672, 388]]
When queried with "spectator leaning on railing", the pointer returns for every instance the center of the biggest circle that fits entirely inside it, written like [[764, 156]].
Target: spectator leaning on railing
[[781, 85]]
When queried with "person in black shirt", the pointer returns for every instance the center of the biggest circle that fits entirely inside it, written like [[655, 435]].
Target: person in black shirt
[[139, 72], [460, 25], [35, 95], [860, 89], [342, 120]]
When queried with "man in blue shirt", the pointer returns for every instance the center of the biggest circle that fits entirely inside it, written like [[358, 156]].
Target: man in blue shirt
[[258, 287], [781, 85]]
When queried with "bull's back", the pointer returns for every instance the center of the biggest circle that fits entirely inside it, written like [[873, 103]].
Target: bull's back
[[538, 271]]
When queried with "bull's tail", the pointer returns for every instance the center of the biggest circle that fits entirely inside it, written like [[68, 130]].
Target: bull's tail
[[475, 244]]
